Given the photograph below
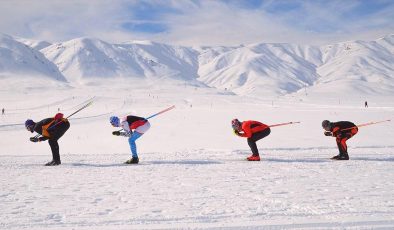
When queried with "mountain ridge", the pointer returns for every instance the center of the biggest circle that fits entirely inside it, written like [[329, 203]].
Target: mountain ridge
[[263, 69]]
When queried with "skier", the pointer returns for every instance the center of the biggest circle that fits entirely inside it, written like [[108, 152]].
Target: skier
[[343, 131], [51, 129], [253, 131], [128, 124], [2, 111]]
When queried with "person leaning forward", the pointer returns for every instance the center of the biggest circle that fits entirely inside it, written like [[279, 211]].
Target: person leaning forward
[[51, 129]]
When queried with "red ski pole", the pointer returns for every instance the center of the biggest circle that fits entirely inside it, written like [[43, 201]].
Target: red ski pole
[[163, 111], [287, 123], [366, 124]]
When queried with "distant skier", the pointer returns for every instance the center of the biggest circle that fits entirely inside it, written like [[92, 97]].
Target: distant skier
[[2, 111], [128, 124], [366, 104], [51, 129], [253, 131], [343, 131]]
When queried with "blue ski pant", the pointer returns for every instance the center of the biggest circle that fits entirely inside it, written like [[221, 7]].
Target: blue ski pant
[[133, 146]]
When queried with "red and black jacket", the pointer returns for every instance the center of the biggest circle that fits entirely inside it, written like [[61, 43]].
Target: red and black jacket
[[135, 122], [251, 127], [343, 128]]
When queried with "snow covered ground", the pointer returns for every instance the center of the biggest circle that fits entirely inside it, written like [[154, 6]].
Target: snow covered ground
[[192, 172]]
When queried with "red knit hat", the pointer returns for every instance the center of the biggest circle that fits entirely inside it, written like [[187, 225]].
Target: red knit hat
[[58, 116]]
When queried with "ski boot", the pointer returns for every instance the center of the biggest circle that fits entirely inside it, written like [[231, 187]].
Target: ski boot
[[335, 157], [253, 158], [344, 156], [133, 160], [53, 163]]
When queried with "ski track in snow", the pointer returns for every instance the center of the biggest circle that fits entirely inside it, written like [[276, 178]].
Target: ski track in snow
[[199, 189]]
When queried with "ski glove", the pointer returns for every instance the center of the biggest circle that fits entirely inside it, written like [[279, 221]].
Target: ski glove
[[328, 133], [34, 139], [236, 132], [126, 134]]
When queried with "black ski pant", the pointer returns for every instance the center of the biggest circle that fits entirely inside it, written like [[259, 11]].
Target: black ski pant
[[58, 133], [255, 137], [55, 150]]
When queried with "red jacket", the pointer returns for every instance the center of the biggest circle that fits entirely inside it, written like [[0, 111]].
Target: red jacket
[[250, 127]]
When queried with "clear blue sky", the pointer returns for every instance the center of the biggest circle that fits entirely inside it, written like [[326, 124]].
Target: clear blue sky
[[199, 22]]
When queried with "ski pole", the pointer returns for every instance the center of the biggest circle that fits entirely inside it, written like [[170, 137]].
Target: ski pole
[[287, 123], [84, 102], [366, 124], [163, 111], [83, 107]]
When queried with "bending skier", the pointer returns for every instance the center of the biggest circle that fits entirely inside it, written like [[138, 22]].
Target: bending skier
[[128, 124], [51, 129], [343, 131], [253, 131]]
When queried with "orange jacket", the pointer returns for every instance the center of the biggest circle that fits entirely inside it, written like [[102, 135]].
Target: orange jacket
[[250, 127]]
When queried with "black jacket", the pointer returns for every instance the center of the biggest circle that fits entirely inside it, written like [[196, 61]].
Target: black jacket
[[51, 129]]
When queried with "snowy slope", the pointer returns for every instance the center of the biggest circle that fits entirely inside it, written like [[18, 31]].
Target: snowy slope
[[166, 60], [262, 69], [35, 44], [363, 68], [192, 173], [85, 58], [18, 60], [343, 69]]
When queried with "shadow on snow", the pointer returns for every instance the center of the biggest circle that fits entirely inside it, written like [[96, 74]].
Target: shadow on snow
[[389, 159], [165, 162], [297, 160]]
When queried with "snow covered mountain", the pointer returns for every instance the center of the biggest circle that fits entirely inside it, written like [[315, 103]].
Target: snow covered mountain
[[357, 67], [18, 60], [262, 69], [347, 68], [278, 69], [35, 44], [84, 58]]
